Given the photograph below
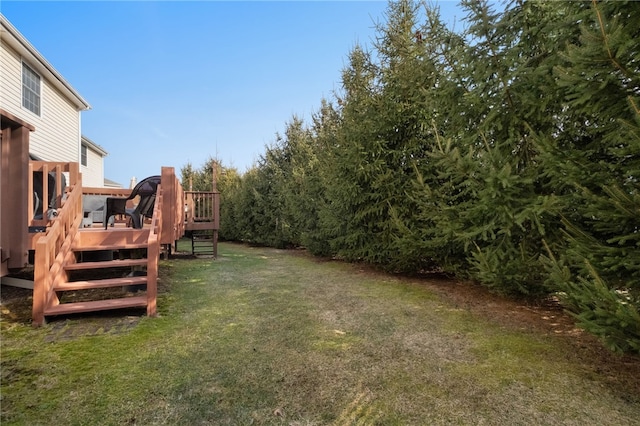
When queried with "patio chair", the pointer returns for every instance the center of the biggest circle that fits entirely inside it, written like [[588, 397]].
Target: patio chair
[[146, 189]]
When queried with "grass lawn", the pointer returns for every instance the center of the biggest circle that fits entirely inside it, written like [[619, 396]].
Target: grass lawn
[[265, 336]]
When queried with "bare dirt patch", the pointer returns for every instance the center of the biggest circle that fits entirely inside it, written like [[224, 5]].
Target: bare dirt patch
[[16, 304]]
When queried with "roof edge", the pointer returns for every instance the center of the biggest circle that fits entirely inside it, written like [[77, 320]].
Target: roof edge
[[25, 48], [91, 144]]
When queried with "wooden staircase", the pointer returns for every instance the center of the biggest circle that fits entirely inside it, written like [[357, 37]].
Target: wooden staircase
[[75, 266], [102, 273], [69, 279], [203, 243]]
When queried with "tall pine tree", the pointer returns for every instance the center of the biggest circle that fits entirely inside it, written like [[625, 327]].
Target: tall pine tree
[[595, 159]]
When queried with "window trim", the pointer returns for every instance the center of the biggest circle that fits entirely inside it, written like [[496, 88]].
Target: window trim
[[28, 90]]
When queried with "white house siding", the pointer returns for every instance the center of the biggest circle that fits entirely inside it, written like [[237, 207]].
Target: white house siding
[[93, 172], [10, 81], [57, 134]]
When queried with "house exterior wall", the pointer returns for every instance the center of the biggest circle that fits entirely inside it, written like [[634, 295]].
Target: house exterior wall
[[93, 172], [14, 160], [10, 68], [57, 134]]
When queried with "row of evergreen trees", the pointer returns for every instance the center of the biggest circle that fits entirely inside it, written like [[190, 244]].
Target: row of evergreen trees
[[507, 152]]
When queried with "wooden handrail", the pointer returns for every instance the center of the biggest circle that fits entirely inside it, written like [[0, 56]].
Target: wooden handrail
[[200, 206], [108, 192], [153, 253], [173, 210], [179, 211], [52, 249]]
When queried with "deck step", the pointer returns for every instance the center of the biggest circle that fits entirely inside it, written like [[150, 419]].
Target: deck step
[[103, 247], [110, 282], [111, 239], [97, 305], [105, 264]]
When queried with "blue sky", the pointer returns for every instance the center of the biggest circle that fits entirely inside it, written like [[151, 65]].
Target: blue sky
[[172, 83]]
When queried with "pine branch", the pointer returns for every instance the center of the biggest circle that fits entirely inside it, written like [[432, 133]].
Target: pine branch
[[606, 43]]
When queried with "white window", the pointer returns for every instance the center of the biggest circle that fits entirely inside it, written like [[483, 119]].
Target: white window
[[30, 89], [83, 155]]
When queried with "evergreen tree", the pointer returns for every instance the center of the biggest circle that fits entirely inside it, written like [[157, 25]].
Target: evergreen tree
[[595, 159], [317, 232], [354, 207], [408, 78], [271, 224], [472, 152], [493, 202], [299, 197], [423, 233]]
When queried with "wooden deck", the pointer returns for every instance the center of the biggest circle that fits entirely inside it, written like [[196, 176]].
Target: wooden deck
[[67, 247], [42, 214]]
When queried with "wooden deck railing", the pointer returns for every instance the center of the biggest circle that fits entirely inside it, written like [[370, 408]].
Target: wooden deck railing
[[58, 169], [107, 192], [52, 248], [202, 207], [153, 253], [173, 207]]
